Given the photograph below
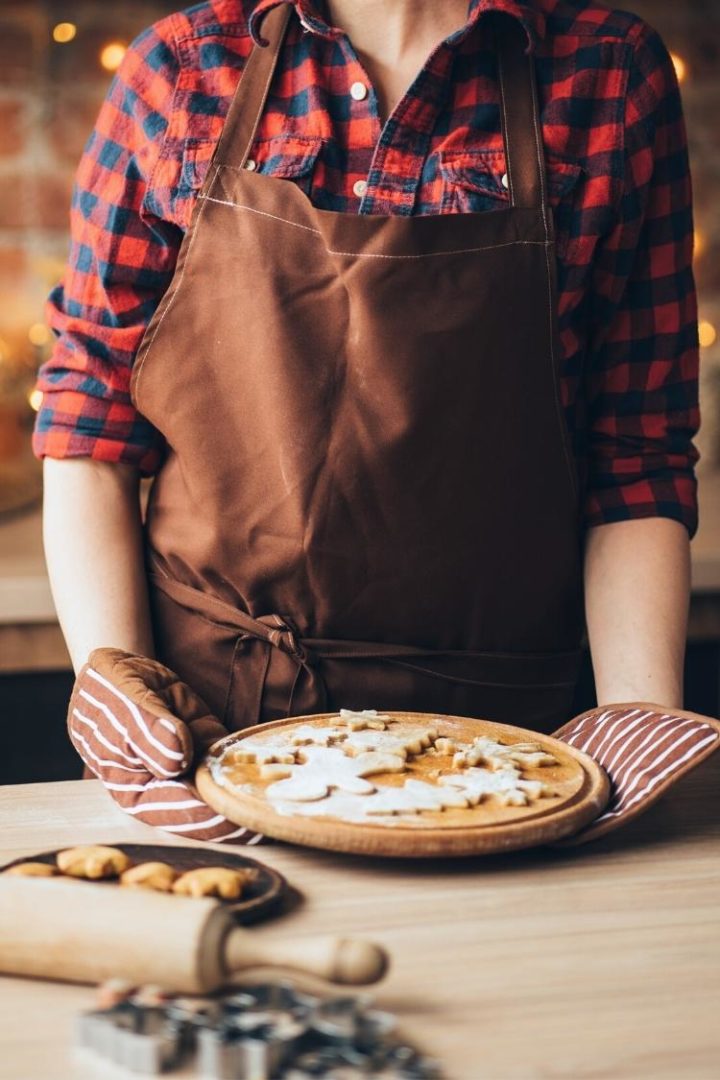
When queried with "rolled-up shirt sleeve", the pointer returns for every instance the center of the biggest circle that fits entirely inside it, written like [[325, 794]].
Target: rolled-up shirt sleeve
[[120, 263], [642, 377]]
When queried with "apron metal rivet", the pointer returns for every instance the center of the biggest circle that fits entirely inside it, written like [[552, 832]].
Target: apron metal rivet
[[250, 164], [504, 180]]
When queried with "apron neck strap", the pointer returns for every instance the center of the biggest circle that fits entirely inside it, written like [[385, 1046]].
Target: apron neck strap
[[520, 115], [520, 121], [248, 103]]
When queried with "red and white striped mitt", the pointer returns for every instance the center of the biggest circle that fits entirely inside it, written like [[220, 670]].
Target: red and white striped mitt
[[139, 729], [644, 749]]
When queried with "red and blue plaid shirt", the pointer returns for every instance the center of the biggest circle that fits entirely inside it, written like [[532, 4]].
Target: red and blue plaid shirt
[[618, 180]]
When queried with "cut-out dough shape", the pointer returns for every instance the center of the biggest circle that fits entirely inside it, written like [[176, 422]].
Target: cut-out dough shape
[[497, 755], [400, 739], [414, 797], [325, 768], [446, 746], [503, 785], [366, 718], [260, 749]]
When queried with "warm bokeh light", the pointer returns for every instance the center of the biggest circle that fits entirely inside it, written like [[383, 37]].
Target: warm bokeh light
[[38, 334], [707, 334], [111, 56], [64, 32], [35, 399], [699, 243], [680, 67]]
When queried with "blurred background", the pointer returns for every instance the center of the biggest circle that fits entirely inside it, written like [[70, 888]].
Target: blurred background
[[56, 61]]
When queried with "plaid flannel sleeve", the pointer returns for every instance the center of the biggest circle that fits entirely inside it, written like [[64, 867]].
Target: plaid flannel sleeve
[[642, 380], [120, 263]]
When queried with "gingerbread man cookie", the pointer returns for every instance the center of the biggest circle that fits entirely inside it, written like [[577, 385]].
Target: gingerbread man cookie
[[324, 768]]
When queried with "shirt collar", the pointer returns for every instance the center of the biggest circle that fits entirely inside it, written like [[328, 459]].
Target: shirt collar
[[530, 13]]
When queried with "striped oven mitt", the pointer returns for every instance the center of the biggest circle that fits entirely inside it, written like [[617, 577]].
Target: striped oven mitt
[[644, 749], [140, 729]]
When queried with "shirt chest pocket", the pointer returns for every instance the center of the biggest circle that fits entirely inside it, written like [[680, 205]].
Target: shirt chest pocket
[[290, 157], [474, 181]]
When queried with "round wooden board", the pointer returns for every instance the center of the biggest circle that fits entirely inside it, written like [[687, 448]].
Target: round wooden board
[[261, 897], [581, 792]]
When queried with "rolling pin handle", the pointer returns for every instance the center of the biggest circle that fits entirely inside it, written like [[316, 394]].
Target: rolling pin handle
[[347, 961]]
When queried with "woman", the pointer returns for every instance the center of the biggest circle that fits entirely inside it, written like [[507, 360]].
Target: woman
[[395, 301]]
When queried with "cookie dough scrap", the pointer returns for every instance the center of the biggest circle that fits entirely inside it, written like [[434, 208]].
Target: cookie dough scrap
[[398, 738], [324, 768], [495, 755], [505, 786]]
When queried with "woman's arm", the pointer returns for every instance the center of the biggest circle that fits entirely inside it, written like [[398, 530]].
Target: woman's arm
[[93, 547], [637, 584]]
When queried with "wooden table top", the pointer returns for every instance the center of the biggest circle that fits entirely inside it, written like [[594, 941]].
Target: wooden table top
[[598, 962]]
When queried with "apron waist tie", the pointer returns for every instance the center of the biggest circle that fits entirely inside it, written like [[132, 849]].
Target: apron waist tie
[[279, 632]]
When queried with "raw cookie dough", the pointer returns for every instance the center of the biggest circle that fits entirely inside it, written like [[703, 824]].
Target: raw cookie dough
[[401, 739], [414, 797], [497, 755], [325, 768], [504, 785]]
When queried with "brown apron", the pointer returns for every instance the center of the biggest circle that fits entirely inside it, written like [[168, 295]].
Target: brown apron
[[369, 497]]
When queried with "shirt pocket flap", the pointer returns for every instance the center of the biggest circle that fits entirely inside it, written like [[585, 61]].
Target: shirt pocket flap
[[290, 156], [196, 157], [484, 171]]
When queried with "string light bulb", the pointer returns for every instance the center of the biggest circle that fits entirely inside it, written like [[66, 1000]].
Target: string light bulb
[[707, 334], [64, 32], [111, 55], [38, 334], [680, 67]]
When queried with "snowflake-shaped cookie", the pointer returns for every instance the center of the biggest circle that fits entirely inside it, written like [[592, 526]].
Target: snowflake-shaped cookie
[[324, 768], [495, 755], [504, 785], [414, 797]]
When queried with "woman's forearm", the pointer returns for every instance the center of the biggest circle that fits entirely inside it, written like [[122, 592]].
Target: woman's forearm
[[93, 546], [637, 588]]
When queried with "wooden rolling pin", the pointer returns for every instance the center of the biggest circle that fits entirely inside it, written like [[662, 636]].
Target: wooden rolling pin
[[86, 932]]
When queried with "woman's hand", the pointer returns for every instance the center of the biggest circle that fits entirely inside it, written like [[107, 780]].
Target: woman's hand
[[140, 729], [644, 749]]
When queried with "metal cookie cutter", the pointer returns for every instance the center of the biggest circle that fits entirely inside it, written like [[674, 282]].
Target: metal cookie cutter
[[132, 1034]]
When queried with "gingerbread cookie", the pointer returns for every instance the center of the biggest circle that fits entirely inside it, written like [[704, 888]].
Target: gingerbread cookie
[[324, 768]]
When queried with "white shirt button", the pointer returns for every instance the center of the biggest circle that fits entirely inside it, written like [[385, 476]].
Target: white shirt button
[[358, 90], [360, 187], [250, 164], [504, 180]]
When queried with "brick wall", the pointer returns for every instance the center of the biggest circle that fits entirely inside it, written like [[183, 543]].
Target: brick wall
[[49, 97]]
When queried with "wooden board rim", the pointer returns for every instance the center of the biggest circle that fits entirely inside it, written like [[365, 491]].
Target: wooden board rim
[[365, 839]]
